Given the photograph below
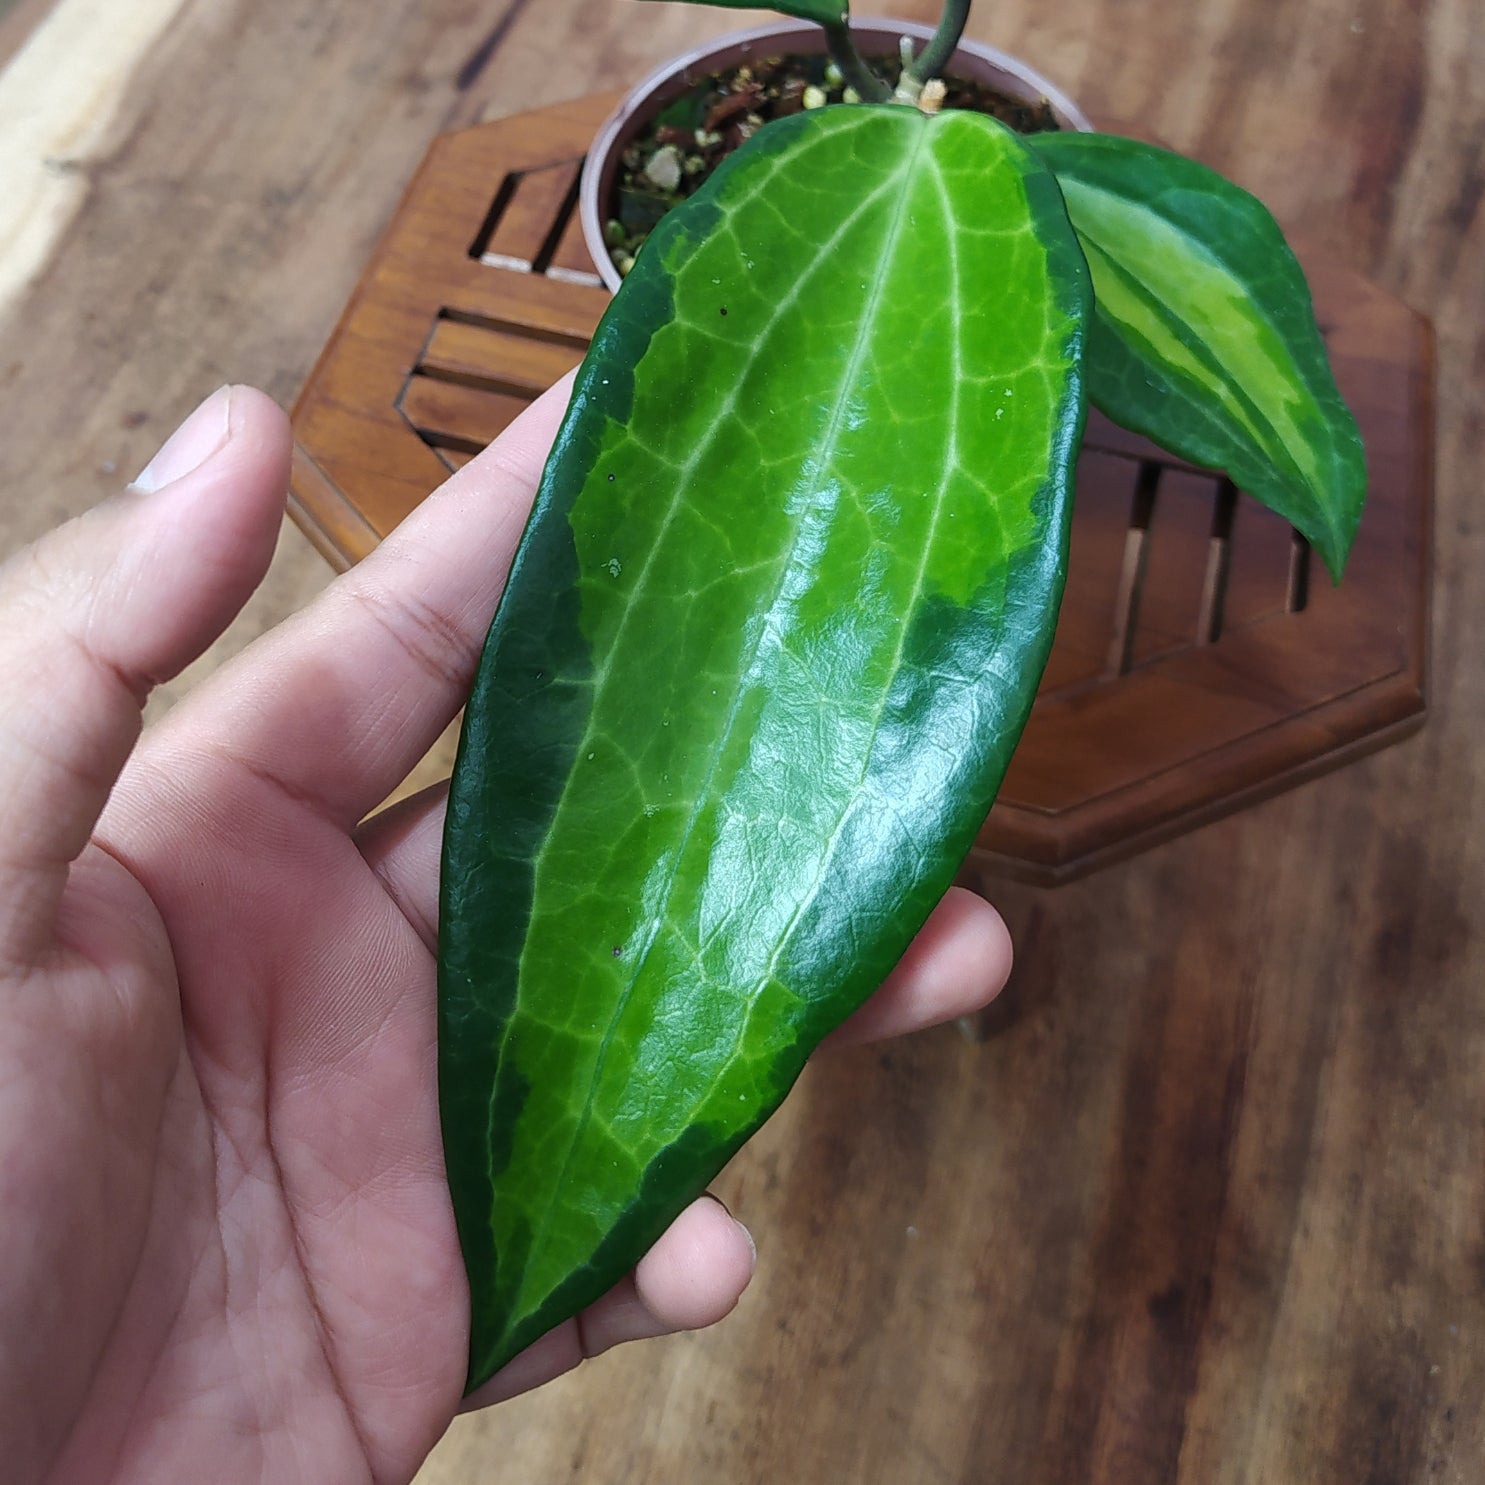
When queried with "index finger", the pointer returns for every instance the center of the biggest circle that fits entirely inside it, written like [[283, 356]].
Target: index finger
[[337, 704]]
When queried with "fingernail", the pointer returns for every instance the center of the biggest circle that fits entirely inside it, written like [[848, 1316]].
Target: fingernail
[[752, 1246], [748, 1235], [191, 445]]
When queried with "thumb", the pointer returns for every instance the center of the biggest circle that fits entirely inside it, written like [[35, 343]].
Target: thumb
[[95, 614]]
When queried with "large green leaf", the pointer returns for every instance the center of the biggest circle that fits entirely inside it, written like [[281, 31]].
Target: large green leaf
[[767, 644], [1204, 335], [826, 12]]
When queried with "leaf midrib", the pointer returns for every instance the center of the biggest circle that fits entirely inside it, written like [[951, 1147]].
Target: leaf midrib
[[950, 467], [596, 681]]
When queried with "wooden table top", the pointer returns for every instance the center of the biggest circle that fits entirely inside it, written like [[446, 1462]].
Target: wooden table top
[[1211, 1206]]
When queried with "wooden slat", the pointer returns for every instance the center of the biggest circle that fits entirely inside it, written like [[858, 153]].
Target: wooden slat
[[467, 417], [515, 363], [1089, 618], [572, 259], [1258, 572], [1169, 604], [339, 531], [532, 214], [529, 301]]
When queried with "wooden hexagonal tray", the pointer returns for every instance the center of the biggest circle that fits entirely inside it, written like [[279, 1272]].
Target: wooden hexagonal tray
[[1202, 661]]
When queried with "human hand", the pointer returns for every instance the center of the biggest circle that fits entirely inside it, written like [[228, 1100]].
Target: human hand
[[227, 1234]]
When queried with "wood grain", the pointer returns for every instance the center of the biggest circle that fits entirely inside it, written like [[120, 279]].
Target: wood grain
[[54, 131], [1211, 1210]]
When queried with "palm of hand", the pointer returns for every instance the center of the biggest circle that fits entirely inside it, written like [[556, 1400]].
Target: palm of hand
[[298, 1286], [218, 1113]]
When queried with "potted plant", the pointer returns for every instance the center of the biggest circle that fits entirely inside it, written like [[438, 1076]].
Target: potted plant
[[779, 614]]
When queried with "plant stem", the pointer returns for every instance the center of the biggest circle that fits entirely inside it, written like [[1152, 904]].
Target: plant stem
[[935, 56], [855, 71]]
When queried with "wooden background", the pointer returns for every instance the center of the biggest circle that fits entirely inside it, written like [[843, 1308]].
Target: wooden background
[[1211, 1208]]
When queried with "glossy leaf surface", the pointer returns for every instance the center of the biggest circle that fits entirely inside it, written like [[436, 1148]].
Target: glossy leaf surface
[[770, 637], [826, 12], [1204, 335]]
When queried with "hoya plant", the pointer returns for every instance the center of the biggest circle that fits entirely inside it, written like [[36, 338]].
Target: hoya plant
[[779, 615]]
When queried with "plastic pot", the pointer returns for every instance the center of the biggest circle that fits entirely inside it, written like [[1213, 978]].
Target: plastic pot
[[874, 39]]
